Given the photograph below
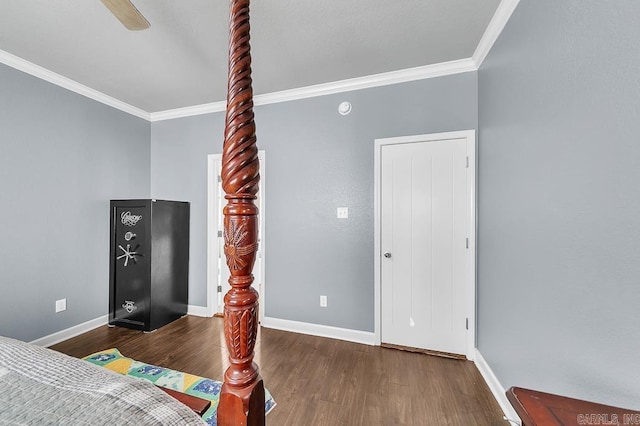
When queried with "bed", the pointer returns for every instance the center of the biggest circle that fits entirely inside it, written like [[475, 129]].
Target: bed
[[41, 386], [47, 387], [242, 396]]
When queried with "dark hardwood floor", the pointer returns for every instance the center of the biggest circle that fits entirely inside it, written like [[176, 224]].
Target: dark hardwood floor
[[317, 381]]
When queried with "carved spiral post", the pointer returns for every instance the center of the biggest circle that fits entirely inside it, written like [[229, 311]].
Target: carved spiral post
[[242, 396]]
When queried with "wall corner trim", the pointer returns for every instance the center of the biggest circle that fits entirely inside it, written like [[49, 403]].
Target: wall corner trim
[[70, 332], [66, 83], [375, 80], [366, 82], [188, 111], [355, 336], [496, 388], [358, 83], [494, 29]]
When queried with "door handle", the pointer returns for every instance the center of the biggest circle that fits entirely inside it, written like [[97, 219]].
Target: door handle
[[387, 255]]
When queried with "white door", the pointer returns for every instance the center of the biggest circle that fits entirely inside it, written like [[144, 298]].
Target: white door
[[424, 226], [218, 270]]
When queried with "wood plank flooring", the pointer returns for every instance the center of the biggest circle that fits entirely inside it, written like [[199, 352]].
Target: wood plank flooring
[[317, 381]]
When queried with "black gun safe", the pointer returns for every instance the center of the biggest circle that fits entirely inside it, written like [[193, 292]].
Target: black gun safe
[[149, 263]]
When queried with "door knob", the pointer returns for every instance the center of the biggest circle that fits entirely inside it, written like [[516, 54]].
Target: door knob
[[387, 255]]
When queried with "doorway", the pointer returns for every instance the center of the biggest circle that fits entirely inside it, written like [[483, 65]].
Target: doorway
[[425, 242], [217, 269]]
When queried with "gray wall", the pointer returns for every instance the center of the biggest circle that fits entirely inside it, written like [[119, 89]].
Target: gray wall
[[179, 150], [62, 157], [559, 198], [316, 161]]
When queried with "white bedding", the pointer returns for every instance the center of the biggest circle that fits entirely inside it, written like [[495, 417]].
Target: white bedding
[[39, 386]]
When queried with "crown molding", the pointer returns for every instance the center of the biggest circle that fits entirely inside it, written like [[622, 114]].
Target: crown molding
[[188, 111], [376, 80], [44, 74], [494, 29]]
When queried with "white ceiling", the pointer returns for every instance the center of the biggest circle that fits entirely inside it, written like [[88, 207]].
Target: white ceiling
[[181, 60]]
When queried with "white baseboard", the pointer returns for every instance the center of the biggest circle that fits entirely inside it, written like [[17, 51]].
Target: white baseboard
[[198, 311], [62, 335], [70, 332], [355, 336], [496, 389]]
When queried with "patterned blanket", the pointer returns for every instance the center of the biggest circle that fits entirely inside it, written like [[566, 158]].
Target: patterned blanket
[[43, 387], [172, 379]]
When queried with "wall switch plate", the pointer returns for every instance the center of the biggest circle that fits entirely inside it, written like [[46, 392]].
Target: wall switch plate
[[343, 212], [323, 301], [61, 305]]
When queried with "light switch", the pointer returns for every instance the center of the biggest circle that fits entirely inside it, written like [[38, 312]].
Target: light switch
[[343, 212]]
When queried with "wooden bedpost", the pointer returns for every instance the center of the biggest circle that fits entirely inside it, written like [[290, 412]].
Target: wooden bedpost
[[242, 395]]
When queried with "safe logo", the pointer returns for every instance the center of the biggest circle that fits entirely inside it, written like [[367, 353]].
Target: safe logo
[[129, 306], [129, 219]]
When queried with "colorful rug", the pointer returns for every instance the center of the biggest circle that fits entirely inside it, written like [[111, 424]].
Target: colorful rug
[[171, 379]]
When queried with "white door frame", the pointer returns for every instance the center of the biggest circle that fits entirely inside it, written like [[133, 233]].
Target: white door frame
[[470, 303], [212, 238]]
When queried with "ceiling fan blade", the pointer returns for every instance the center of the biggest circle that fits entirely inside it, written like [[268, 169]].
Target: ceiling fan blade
[[127, 13]]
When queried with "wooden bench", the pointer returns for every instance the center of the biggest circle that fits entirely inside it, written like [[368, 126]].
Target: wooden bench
[[545, 409]]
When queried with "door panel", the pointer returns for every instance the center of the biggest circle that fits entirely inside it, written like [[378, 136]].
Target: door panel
[[223, 274], [131, 259], [424, 228]]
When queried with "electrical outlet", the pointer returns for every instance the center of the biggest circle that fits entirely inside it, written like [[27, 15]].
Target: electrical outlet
[[323, 301], [343, 212], [61, 305]]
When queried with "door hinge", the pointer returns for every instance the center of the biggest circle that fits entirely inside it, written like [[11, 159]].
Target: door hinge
[[219, 289], [220, 177], [219, 234], [467, 323], [467, 242], [467, 162]]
